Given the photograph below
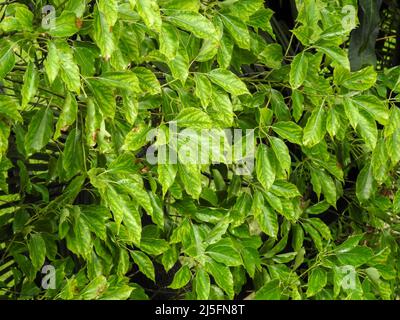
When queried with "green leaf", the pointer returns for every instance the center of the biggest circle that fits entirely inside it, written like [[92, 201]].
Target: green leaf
[[7, 58], [366, 185], [190, 175], [154, 247], [180, 66], [65, 26], [244, 9], [110, 10], [298, 71], [17, 17], [356, 256], [266, 167], [379, 162], [132, 221], [298, 237], [361, 80], [170, 258], [333, 122], [169, 41], [322, 228], [396, 202], [191, 21], [79, 239], [285, 189], [272, 56], [137, 191], [203, 89], [158, 213], [228, 81], [317, 281], [210, 47], [367, 129], [297, 104], [118, 293], [258, 203], [147, 80], [30, 86], [187, 5], [52, 62], [136, 138], [261, 19], [338, 55], [269, 291], [103, 35], [126, 80], [144, 263], [166, 175], [274, 201], [9, 108], [349, 244], [96, 218], [290, 131], [60, 59], [123, 263], [37, 250], [282, 153], [202, 284], [193, 118], [279, 106], [222, 108], [224, 56], [318, 208], [73, 160], [238, 30], [352, 113], [328, 187], [374, 106], [224, 252], [104, 97], [68, 115], [40, 130], [315, 129], [117, 203], [76, 6], [86, 55], [268, 221], [95, 289], [130, 107], [314, 236], [222, 276], [181, 278], [69, 69]]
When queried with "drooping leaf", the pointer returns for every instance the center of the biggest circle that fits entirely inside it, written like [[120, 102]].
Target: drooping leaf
[[144, 263], [298, 71], [228, 81], [317, 281], [316, 127], [181, 278], [40, 130], [37, 250], [31, 84], [266, 167], [192, 22], [7, 58], [238, 30]]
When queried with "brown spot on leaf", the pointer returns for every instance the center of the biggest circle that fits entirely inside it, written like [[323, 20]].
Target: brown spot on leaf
[[79, 23]]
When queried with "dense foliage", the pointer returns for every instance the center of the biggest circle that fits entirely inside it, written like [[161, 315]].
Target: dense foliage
[[82, 83]]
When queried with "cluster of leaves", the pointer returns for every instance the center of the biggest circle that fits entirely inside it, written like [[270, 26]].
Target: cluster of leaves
[[319, 218]]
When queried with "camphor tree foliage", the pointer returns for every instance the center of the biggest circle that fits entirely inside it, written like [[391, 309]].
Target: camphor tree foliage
[[82, 83]]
